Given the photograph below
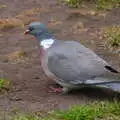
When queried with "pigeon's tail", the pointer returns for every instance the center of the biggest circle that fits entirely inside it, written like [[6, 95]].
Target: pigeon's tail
[[101, 82], [114, 86]]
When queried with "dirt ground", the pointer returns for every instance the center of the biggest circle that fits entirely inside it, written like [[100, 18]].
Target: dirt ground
[[29, 84]]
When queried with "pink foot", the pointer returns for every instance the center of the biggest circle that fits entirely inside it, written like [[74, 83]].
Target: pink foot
[[55, 90]]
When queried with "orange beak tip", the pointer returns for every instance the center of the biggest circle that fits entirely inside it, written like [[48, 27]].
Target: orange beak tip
[[26, 32]]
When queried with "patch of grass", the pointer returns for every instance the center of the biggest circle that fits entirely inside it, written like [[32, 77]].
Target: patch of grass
[[26, 117], [16, 57], [4, 84], [78, 27], [100, 4], [112, 36], [74, 3], [10, 23], [3, 6], [95, 111], [107, 4], [17, 54]]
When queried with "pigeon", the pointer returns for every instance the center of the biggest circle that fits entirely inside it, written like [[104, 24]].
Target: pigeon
[[71, 64]]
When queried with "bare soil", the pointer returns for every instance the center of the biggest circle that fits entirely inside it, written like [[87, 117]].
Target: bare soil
[[29, 85]]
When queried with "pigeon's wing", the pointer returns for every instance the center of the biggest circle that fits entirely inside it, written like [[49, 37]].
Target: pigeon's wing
[[71, 61]]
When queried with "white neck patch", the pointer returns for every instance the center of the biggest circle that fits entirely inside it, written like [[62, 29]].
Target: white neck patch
[[46, 43]]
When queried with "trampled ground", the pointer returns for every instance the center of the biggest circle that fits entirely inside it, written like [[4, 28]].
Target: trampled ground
[[29, 85]]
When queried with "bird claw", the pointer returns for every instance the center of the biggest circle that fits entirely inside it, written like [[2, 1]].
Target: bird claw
[[55, 90]]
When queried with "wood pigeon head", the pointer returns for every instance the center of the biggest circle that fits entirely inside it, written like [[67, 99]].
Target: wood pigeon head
[[38, 30]]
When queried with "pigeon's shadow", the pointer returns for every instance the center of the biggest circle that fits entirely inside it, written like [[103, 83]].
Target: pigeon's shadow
[[94, 93], [97, 93]]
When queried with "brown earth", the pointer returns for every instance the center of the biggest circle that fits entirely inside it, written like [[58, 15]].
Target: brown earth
[[29, 84]]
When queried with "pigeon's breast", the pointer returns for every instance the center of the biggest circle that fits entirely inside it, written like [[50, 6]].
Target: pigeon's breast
[[44, 63]]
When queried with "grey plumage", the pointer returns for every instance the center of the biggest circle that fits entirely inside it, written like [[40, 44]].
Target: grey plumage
[[74, 66]]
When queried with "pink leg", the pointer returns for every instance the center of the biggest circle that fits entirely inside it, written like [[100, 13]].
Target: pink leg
[[55, 90]]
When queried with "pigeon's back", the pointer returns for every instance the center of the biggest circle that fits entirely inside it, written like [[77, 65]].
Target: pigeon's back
[[75, 51]]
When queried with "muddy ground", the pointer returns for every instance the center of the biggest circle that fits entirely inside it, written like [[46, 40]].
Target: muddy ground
[[29, 84]]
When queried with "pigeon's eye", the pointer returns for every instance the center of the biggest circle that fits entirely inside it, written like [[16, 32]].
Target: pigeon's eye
[[31, 28]]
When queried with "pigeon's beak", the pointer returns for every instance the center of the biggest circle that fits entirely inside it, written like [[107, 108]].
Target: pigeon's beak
[[26, 32]]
